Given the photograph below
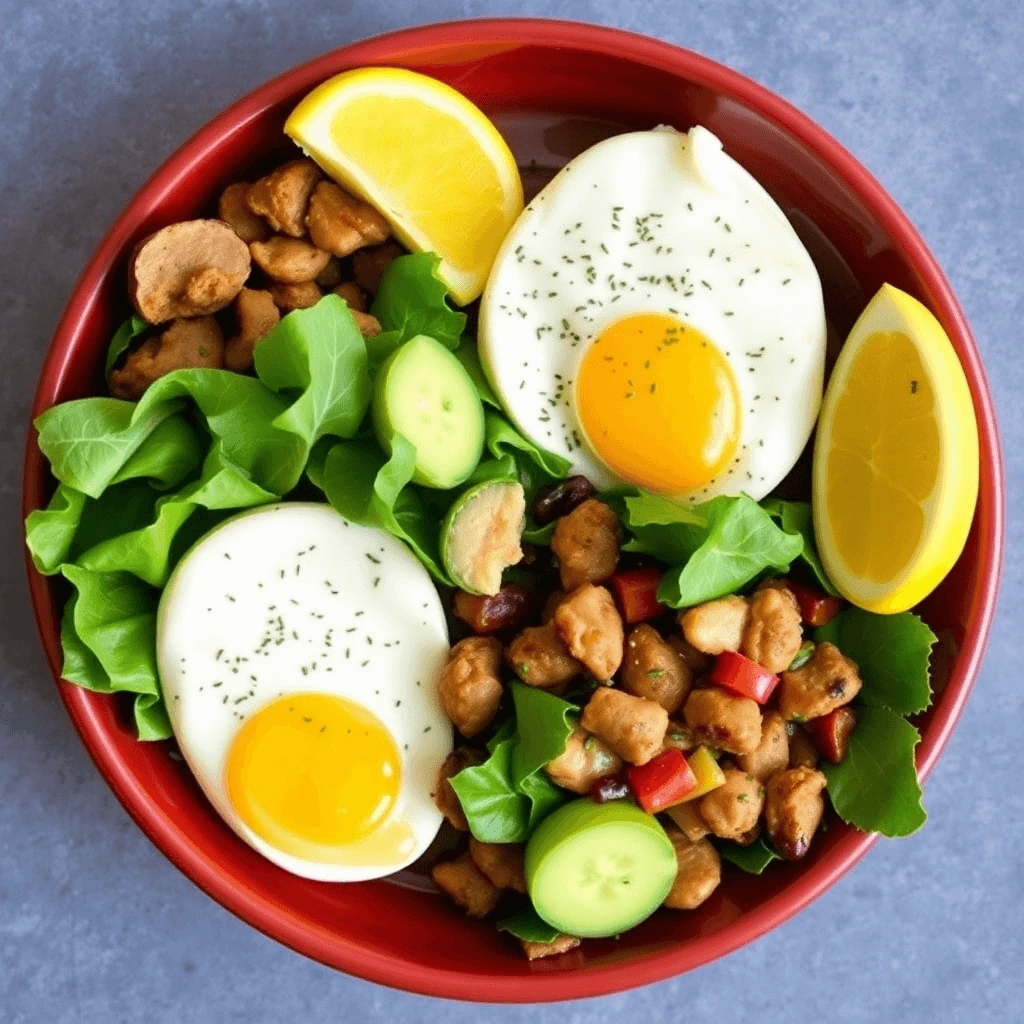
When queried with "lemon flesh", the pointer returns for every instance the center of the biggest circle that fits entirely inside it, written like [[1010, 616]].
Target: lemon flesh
[[422, 154], [896, 458]]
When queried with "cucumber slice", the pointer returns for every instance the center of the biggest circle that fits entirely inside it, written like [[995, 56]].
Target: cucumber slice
[[424, 393], [595, 870], [480, 535]]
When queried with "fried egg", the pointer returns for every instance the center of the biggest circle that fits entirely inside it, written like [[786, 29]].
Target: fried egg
[[654, 317], [298, 655]]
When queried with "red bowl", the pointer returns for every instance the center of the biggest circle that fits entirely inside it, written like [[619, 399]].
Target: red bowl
[[553, 87]]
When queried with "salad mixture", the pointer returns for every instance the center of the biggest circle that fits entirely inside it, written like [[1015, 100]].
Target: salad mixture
[[521, 572]]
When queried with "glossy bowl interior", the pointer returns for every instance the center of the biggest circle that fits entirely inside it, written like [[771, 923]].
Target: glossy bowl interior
[[553, 88]]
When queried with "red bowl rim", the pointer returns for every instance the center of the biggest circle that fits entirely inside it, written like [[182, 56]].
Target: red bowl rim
[[275, 920]]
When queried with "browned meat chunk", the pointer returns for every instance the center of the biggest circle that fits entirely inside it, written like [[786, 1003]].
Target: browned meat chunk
[[500, 863], [444, 796], [339, 223], [590, 626], [794, 809], [802, 751], [354, 296], [289, 260], [652, 669], [681, 737], [696, 661], [469, 687], [536, 950], [586, 543], [585, 760], [774, 631], [539, 658], [188, 269], [699, 873], [368, 265], [716, 626], [233, 209], [634, 728], [724, 721], [772, 753], [281, 197], [466, 885], [184, 344], [732, 810], [828, 681], [255, 313], [687, 818], [369, 326], [330, 277], [295, 296]]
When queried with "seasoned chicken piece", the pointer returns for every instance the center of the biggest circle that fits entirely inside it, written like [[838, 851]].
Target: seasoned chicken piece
[[652, 669], [354, 296], [339, 223], [255, 313], [500, 863], [369, 326], [632, 727], [794, 809], [687, 818], [696, 661], [802, 751], [774, 630], [330, 277], [585, 760], [444, 795], [699, 873], [538, 656], [721, 720], [184, 344], [555, 598], [732, 810], [681, 737], [466, 885], [469, 686], [586, 543], [772, 753], [828, 681], [368, 265], [716, 626], [536, 950], [188, 269], [590, 626], [233, 209], [281, 197], [290, 260], [295, 296]]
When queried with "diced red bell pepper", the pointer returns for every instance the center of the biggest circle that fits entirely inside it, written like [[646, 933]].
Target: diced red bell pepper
[[831, 733], [662, 782], [816, 608], [636, 593], [744, 677]]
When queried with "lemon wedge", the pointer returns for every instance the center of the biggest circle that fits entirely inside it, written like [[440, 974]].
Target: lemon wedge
[[896, 458], [427, 158]]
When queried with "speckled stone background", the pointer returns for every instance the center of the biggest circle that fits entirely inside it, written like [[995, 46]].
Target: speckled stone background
[[95, 926]]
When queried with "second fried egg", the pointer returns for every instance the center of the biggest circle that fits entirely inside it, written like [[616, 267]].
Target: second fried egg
[[654, 317]]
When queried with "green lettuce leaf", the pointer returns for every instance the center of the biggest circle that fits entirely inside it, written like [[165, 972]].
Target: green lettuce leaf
[[122, 339], [876, 788], [526, 924], [753, 858], [495, 810], [50, 531], [320, 353], [544, 724], [741, 542], [468, 354], [501, 439], [892, 652], [412, 300], [796, 517]]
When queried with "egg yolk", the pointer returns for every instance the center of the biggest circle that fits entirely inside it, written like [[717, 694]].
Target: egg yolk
[[659, 403], [313, 772]]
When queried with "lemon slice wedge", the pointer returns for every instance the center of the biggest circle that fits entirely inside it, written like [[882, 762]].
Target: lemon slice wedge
[[427, 158], [896, 457]]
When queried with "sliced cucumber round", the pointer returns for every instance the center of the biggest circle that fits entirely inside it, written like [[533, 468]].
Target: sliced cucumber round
[[481, 533], [424, 393], [595, 870]]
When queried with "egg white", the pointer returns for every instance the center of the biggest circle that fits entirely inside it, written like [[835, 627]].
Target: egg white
[[658, 222], [348, 610]]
